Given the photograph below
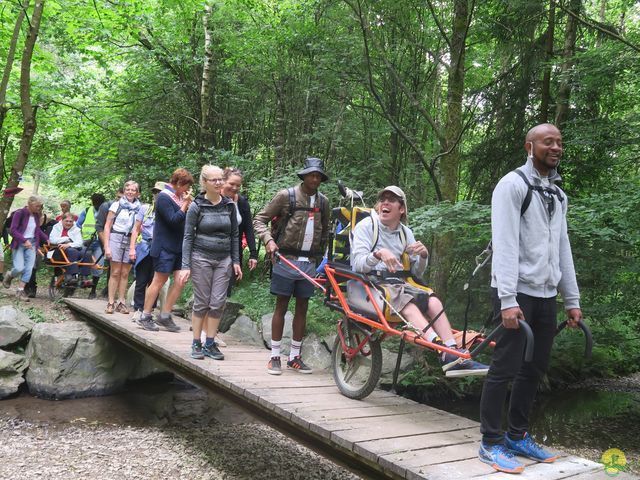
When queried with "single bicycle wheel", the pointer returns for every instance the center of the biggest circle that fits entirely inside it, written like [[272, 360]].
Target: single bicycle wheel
[[356, 377], [58, 289]]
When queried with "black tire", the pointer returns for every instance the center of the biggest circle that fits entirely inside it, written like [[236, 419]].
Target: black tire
[[56, 289], [356, 378]]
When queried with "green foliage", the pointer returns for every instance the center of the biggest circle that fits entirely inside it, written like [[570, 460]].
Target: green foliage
[[258, 301], [36, 314]]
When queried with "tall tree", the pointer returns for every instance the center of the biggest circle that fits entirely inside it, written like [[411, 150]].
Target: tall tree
[[29, 110], [206, 133], [568, 54], [13, 43]]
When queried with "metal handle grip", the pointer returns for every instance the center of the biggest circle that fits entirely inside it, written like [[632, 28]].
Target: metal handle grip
[[524, 327], [588, 338]]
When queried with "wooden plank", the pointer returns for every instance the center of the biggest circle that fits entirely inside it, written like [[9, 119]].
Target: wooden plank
[[599, 474], [373, 450], [566, 467], [348, 438]]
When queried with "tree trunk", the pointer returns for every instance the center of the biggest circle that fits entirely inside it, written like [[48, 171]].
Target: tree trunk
[[564, 91], [546, 78], [206, 131], [9, 65], [450, 163], [28, 110]]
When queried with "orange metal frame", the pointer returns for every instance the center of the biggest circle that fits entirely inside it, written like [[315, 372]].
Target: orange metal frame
[[66, 262], [381, 323]]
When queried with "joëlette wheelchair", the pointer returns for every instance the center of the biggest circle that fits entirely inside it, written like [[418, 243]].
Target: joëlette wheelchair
[[368, 318], [59, 285]]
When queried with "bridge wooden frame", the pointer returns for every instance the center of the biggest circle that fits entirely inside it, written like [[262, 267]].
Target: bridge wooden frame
[[384, 433]]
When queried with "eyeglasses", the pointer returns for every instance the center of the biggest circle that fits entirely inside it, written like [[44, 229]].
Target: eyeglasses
[[214, 180]]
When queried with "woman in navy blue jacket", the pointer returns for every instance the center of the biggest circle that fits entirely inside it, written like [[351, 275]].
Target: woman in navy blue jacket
[[166, 249]]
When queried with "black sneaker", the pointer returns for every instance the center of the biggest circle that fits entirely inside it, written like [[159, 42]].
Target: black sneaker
[[298, 365], [213, 351], [146, 322], [165, 320]]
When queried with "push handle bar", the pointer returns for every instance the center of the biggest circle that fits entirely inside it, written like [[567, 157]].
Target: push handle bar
[[524, 328], [588, 338]]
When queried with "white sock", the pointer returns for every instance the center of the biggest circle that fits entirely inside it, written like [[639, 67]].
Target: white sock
[[275, 348], [431, 335], [295, 349], [451, 343]]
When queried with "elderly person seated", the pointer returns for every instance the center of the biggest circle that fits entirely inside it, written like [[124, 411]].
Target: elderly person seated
[[379, 256], [67, 237]]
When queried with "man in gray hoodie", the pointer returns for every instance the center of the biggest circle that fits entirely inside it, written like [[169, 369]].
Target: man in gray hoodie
[[531, 263]]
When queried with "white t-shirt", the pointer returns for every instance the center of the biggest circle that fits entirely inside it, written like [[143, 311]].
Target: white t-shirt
[[123, 223], [308, 231], [30, 231]]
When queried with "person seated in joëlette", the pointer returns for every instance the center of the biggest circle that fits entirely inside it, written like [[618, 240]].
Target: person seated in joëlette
[[66, 236], [394, 240]]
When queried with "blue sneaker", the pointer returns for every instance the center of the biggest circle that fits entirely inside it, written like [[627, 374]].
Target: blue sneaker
[[530, 449], [464, 368], [196, 351], [500, 458]]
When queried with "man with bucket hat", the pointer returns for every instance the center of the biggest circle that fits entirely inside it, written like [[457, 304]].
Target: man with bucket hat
[[300, 229]]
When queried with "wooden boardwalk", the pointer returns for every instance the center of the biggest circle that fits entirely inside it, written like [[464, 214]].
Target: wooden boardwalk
[[393, 435]]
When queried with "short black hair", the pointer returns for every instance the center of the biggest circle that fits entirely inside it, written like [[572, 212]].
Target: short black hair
[[97, 199]]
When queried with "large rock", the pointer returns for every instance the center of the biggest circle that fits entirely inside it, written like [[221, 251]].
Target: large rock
[[286, 334], [147, 367], [71, 359], [15, 326], [230, 315], [245, 330], [316, 351], [390, 358], [12, 366]]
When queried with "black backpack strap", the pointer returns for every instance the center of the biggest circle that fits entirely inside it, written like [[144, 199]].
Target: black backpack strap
[[542, 190], [527, 198]]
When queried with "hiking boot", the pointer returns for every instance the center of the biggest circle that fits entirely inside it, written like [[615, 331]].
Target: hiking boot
[[22, 295], [6, 281], [464, 368], [122, 308], [274, 367], [70, 280], [298, 365], [500, 458], [165, 320], [197, 351], [212, 351], [526, 447], [110, 308], [146, 322]]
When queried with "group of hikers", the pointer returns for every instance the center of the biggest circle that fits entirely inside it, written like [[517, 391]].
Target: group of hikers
[[201, 239]]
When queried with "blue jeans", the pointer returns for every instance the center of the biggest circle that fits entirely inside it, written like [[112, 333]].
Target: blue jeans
[[23, 261]]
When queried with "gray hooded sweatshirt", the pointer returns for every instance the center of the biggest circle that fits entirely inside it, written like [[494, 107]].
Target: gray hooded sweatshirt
[[531, 253]]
